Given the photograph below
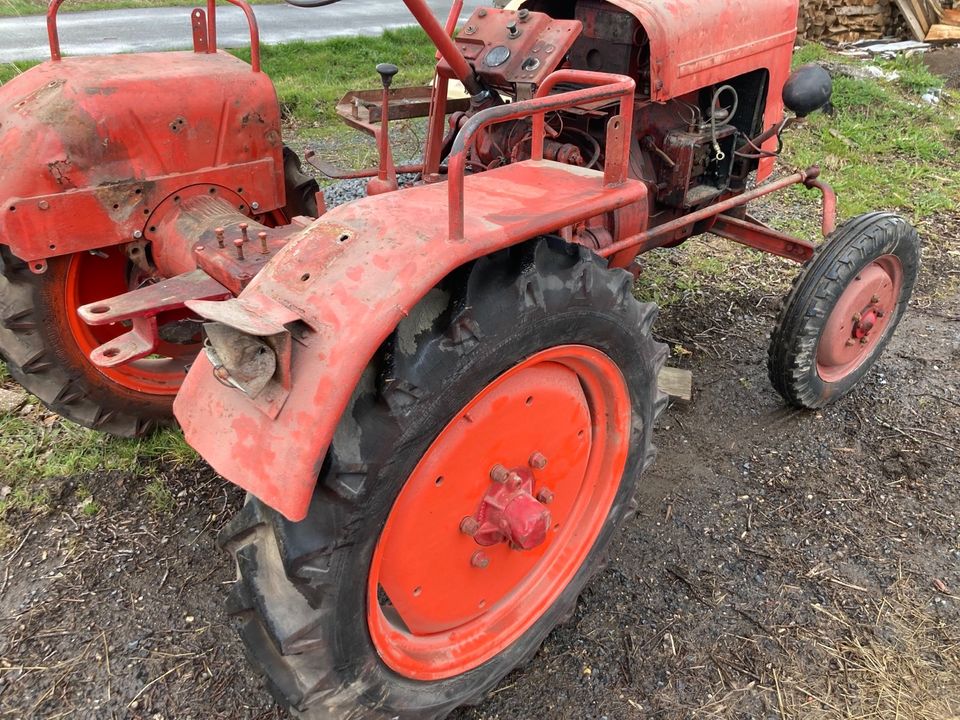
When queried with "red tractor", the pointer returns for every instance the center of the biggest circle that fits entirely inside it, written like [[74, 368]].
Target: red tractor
[[440, 398]]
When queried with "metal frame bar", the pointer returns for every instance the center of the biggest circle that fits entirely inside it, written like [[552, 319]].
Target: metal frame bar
[[53, 36], [604, 87]]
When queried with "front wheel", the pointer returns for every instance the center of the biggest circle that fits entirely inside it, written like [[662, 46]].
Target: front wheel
[[843, 309], [472, 488]]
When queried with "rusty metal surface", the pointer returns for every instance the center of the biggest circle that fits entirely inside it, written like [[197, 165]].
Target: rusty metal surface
[[755, 234], [102, 141], [364, 265], [361, 109], [508, 47]]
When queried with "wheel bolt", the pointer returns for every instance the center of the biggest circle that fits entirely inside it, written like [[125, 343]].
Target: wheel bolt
[[499, 474], [479, 559], [538, 461], [545, 496], [469, 526]]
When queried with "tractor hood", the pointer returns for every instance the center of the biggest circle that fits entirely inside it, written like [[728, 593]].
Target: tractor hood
[[696, 43]]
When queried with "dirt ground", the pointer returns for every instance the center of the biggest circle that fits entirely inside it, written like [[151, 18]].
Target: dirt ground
[[945, 62], [784, 564]]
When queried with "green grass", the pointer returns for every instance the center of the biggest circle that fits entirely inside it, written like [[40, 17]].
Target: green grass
[[14, 8]]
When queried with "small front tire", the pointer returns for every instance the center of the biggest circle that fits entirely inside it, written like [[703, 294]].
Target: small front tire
[[843, 309]]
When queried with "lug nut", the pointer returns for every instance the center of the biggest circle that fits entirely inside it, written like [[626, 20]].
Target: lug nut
[[263, 242], [479, 559], [538, 461], [238, 244], [499, 474], [545, 496], [219, 233], [469, 526]]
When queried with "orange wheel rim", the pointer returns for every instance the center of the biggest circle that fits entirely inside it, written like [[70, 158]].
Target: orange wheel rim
[[90, 278], [533, 460], [860, 318]]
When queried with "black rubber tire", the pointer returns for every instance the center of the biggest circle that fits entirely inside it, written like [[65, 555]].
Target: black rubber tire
[[300, 188], [794, 342], [42, 356], [301, 590]]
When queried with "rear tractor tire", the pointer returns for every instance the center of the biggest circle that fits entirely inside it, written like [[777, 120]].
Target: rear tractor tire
[[843, 309], [472, 488]]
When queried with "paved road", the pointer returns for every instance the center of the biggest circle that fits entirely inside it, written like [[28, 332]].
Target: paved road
[[112, 31]]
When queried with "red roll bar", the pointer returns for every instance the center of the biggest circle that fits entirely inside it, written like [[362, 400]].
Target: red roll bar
[[605, 87], [53, 36]]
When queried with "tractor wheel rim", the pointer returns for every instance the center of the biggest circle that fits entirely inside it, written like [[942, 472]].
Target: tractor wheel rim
[[94, 277], [860, 319], [443, 596]]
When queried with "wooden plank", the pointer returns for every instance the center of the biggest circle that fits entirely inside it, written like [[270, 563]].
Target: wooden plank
[[676, 383], [950, 17], [934, 10], [920, 13], [908, 14], [943, 33]]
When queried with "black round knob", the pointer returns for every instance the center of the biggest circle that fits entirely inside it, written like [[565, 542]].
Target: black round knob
[[387, 71]]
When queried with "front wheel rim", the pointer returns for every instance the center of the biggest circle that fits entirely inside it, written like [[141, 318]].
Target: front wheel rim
[[534, 460], [860, 319]]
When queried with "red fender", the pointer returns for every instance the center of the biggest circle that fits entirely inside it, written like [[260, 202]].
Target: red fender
[[350, 277]]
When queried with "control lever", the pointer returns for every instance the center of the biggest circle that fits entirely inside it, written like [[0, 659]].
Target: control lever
[[386, 180]]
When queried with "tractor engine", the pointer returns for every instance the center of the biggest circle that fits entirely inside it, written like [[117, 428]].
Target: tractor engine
[[689, 149]]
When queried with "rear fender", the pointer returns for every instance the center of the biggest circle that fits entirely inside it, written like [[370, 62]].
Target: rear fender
[[350, 278]]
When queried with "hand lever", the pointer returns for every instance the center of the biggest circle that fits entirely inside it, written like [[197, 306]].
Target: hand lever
[[386, 180]]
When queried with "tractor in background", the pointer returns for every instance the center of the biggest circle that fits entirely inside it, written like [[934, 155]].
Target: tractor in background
[[441, 397]]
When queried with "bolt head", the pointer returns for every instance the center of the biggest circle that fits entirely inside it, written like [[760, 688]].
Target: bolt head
[[851, 342], [857, 317], [864, 340], [880, 313], [479, 559], [255, 205], [875, 299], [137, 234], [538, 461], [545, 496], [499, 474], [469, 526], [515, 481]]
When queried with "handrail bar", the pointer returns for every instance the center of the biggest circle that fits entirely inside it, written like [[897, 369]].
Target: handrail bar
[[53, 36], [603, 87]]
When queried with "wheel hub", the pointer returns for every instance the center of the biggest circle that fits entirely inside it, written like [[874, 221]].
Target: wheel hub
[[510, 513], [860, 318]]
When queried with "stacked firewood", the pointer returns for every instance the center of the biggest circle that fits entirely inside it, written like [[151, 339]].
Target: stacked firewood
[[850, 20]]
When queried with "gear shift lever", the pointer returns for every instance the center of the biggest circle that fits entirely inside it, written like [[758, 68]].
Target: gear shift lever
[[386, 180]]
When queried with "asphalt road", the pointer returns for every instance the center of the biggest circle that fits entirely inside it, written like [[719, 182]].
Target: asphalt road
[[113, 31]]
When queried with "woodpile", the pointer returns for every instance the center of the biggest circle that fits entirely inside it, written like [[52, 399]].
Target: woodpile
[[929, 20], [851, 20]]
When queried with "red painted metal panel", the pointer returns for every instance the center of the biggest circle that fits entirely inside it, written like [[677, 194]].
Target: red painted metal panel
[[106, 124], [351, 277]]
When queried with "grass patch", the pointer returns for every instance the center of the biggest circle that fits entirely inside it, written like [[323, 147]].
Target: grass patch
[[15, 8]]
